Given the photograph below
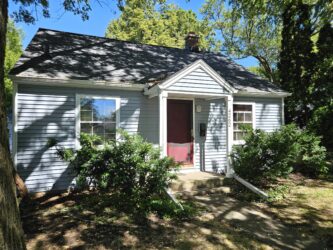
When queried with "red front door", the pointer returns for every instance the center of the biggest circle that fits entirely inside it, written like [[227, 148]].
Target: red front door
[[180, 125]]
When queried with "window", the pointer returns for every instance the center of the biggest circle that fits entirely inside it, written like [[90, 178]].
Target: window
[[243, 118], [99, 116]]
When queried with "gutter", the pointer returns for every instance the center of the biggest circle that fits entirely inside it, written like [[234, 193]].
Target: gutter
[[77, 83], [263, 94]]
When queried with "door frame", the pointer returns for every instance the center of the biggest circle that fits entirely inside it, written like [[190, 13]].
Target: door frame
[[193, 124]]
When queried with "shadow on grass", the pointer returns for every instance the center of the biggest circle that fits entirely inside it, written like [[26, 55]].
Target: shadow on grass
[[94, 220]]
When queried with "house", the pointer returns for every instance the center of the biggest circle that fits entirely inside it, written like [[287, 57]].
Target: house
[[190, 103]]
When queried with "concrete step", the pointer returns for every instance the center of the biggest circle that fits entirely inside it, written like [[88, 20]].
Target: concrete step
[[199, 183], [202, 192]]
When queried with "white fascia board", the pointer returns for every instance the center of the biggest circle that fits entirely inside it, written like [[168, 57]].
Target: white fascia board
[[263, 94], [197, 64], [77, 83]]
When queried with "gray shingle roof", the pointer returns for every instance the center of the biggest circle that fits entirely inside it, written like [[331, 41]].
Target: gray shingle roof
[[76, 56]]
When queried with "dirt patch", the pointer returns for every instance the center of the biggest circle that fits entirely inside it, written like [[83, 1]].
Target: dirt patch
[[90, 221]]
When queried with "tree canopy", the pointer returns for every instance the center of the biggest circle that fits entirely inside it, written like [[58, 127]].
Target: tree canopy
[[245, 33], [13, 52], [164, 24]]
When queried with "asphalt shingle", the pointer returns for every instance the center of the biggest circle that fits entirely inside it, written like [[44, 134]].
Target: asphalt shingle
[[76, 56]]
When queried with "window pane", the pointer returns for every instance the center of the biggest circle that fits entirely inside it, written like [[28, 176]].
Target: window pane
[[248, 117], [86, 128], [104, 110], [110, 136], [86, 116], [86, 104], [98, 129], [240, 117], [110, 128], [239, 136], [245, 126], [98, 117], [236, 126], [242, 107], [110, 110]]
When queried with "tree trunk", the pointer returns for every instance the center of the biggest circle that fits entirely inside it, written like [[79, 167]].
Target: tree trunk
[[11, 233], [269, 72]]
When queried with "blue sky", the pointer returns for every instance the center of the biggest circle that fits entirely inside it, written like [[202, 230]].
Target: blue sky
[[99, 18]]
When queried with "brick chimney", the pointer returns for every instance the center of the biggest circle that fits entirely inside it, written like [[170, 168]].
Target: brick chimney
[[192, 42]]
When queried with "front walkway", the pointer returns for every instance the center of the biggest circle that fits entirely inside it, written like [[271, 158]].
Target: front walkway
[[210, 192], [89, 221]]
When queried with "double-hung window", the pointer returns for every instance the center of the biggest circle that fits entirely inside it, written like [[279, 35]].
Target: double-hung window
[[99, 116], [243, 117]]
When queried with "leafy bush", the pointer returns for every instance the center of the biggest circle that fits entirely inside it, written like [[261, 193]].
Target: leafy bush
[[266, 156], [321, 124], [130, 167]]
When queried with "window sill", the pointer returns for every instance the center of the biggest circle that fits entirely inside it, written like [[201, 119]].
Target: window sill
[[242, 142]]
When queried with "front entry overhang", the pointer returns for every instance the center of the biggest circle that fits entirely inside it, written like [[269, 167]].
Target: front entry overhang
[[196, 81]]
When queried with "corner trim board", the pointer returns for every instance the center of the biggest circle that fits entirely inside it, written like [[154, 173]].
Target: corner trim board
[[14, 124]]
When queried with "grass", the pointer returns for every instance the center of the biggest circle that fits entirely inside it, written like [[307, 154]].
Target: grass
[[307, 206], [94, 221]]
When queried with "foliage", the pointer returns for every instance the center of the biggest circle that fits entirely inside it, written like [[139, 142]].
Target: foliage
[[323, 75], [297, 62], [322, 98], [321, 123], [166, 25], [13, 52], [278, 193], [130, 167], [266, 156], [260, 71], [246, 33]]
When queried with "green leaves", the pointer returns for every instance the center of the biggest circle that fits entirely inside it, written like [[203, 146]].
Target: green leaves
[[246, 31], [165, 25], [130, 166], [13, 52], [266, 156]]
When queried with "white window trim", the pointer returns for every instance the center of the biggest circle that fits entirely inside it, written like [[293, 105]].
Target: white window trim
[[241, 142], [78, 98]]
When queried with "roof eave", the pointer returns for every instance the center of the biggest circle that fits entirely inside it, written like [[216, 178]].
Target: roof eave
[[76, 83], [280, 94]]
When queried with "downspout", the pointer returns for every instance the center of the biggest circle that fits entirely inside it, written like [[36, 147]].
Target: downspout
[[251, 187]]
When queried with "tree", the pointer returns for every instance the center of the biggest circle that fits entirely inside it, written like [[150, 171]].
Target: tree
[[11, 233], [165, 25], [322, 98], [13, 52], [297, 61], [323, 77], [246, 32]]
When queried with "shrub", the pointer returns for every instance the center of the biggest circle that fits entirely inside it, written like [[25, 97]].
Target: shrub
[[130, 167], [266, 156], [321, 124]]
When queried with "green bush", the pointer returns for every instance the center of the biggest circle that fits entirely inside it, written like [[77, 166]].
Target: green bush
[[321, 123], [266, 156], [129, 167]]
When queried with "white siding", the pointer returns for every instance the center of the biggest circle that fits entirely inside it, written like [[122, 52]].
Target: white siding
[[268, 112], [211, 151], [49, 112], [198, 81]]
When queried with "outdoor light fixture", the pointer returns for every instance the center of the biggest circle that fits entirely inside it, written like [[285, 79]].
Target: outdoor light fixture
[[198, 108]]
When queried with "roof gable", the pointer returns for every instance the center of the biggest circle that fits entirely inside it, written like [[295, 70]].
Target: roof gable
[[197, 77]]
